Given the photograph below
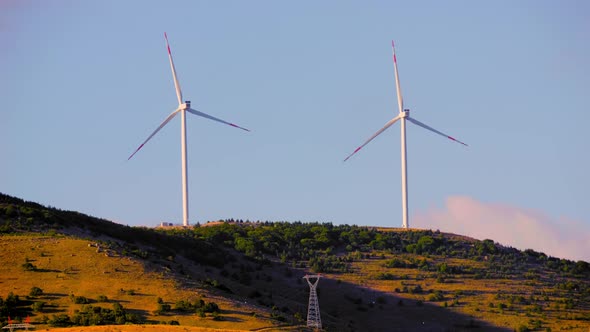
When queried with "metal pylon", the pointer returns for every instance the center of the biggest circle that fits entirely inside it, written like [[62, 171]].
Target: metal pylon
[[313, 309]]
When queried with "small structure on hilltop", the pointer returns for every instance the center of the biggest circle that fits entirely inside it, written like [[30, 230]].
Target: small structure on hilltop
[[313, 309]]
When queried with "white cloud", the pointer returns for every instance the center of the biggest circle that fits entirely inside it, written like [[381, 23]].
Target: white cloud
[[509, 225]]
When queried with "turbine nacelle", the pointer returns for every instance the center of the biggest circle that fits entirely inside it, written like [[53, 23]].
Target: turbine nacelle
[[405, 113], [185, 106]]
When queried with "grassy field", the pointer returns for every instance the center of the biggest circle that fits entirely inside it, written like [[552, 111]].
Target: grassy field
[[508, 303], [163, 328], [372, 279], [140, 328], [67, 267]]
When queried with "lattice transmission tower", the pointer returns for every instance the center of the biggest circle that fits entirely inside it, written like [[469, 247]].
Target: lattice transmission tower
[[313, 309]]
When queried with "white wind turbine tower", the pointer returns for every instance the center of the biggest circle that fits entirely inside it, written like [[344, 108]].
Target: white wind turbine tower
[[182, 109], [404, 114]]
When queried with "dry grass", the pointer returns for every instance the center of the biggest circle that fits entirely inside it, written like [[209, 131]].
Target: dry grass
[[68, 266], [162, 328], [473, 295], [350, 301], [141, 328]]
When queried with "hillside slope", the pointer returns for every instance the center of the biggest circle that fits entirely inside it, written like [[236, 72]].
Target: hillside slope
[[372, 279]]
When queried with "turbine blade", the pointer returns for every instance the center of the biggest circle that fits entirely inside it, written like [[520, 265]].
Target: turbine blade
[[172, 115], [416, 122], [176, 84], [387, 125], [195, 112], [400, 102]]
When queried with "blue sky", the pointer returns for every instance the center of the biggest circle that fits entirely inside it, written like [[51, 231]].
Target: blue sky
[[83, 83]]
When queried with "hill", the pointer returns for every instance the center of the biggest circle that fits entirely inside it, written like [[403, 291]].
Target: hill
[[248, 276]]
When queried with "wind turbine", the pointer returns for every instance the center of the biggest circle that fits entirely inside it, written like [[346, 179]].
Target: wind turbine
[[404, 114], [182, 109]]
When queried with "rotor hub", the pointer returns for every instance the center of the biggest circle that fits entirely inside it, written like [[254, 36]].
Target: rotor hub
[[186, 105]]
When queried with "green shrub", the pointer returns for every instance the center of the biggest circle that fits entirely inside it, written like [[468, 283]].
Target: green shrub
[[61, 320], [417, 290], [436, 296], [385, 276], [162, 308], [79, 299], [38, 306], [29, 267], [35, 291]]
